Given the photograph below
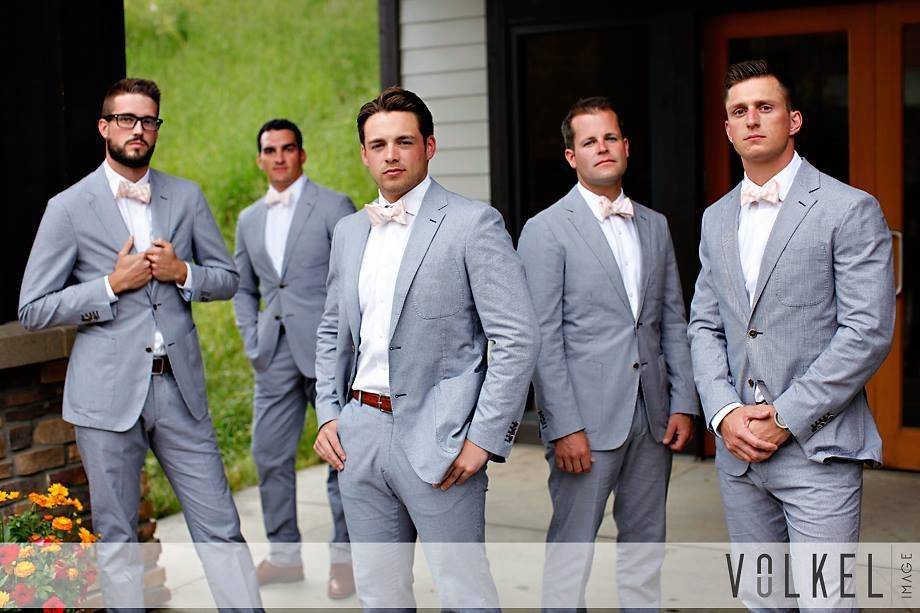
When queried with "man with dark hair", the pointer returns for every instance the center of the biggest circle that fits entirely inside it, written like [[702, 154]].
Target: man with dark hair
[[121, 255], [614, 387], [282, 253], [793, 313], [423, 359]]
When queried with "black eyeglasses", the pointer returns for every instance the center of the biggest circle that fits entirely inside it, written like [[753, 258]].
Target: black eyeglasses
[[127, 121]]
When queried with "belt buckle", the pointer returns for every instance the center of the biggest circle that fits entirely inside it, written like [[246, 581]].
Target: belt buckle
[[380, 402], [162, 366]]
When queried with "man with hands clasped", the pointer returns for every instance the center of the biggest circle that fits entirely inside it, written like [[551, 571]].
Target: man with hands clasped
[[793, 313], [614, 387]]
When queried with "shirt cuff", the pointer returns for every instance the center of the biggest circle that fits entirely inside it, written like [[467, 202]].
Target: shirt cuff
[[188, 278], [108, 289], [718, 417]]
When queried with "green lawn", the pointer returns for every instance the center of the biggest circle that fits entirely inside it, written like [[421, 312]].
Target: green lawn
[[224, 68]]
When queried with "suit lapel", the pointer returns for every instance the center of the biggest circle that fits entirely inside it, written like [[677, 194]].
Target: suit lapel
[[798, 202], [103, 204], [424, 227], [732, 253], [260, 251], [160, 218], [644, 230], [590, 231], [351, 271], [302, 211]]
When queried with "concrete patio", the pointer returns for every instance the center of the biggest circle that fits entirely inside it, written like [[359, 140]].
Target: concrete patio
[[518, 512]]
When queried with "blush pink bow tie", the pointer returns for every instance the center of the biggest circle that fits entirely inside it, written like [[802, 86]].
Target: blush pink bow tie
[[621, 206], [384, 213], [140, 193], [273, 197], [768, 192]]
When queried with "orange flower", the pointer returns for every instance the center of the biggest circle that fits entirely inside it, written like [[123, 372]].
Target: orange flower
[[41, 500], [73, 574], [86, 536], [62, 523], [26, 551], [48, 517], [75, 503], [23, 569], [51, 547]]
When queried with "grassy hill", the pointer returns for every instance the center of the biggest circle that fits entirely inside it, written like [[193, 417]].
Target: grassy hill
[[224, 68]]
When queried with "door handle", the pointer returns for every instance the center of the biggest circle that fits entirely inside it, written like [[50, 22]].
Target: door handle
[[899, 277]]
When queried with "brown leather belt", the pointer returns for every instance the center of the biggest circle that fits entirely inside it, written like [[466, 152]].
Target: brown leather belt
[[377, 401], [161, 366]]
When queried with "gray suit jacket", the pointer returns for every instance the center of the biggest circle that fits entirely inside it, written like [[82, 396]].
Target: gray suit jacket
[[822, 321], [296, 298], [460, 288], [76, 246], [595, 354]]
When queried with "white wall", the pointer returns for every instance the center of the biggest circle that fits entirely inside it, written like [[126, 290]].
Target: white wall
[[443, 59]]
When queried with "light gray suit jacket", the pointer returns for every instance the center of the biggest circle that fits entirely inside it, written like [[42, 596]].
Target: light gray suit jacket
[[460, 288], [296, 298], [595, 354], [821, 324], [76, 245]]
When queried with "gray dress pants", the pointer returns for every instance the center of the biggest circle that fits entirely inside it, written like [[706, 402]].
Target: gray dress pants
[[187, 450], [281, 397], [637, 474], [387, 506]]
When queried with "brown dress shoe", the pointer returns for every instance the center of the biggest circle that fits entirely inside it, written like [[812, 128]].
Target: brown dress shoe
[[266, 573], [341, 581]]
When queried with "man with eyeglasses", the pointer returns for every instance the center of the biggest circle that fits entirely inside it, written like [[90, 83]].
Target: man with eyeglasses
[[121, 255]]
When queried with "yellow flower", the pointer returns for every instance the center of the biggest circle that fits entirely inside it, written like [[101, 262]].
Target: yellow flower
[[24, 569], [56, 489], [4, 496], [25, 552], [13, 495], [75, 503], [62, 523], [86, 536], [73, 574], [4, 598], [51, 548]]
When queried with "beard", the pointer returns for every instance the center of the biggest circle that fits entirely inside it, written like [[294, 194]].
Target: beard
[[120, 155]]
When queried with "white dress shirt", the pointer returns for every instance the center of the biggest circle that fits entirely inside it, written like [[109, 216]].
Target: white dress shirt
[[139, 221], [383, 254], [623, 238], [278, 221], [755, 223]]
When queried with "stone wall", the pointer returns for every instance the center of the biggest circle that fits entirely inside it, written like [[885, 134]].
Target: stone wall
[[37, 447]]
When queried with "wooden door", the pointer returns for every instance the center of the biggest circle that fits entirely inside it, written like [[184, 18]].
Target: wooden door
[[855, 74]]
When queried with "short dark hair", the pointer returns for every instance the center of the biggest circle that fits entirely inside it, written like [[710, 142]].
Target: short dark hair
[[145, 87], [397, 99], [753, 69], [584, 106], [279, 124]]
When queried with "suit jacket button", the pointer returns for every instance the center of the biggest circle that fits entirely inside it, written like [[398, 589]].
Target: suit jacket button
[[752, 333], [635, 365], [283, 285], [277, 317], [148, 349], [751, 382]]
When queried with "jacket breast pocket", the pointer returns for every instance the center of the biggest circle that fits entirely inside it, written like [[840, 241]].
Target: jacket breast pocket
[[437, 289], [803, 276]]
